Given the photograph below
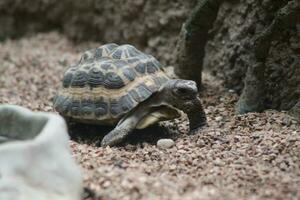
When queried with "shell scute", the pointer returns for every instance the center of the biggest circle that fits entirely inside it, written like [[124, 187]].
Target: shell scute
[[79, 79], [101, 108], [95, 77], [75, 107], [113, 81], [87, 107]]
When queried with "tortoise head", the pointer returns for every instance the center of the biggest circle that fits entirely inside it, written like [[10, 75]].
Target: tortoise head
[[183, 95]]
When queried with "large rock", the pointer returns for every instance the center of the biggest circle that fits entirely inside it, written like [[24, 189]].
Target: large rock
[[35, 159]]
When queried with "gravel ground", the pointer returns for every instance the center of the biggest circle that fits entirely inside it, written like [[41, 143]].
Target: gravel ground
[[254, 156]]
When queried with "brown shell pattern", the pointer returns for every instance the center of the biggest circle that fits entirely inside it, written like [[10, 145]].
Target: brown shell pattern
[[107, 83]]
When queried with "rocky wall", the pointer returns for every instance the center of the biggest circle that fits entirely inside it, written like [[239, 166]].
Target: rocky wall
[[229, 51]]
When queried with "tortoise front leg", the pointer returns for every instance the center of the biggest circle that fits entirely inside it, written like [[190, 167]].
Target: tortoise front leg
[[127, 124], [120, 132]]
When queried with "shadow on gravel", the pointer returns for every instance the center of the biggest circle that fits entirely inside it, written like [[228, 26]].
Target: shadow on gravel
[[91, 134]]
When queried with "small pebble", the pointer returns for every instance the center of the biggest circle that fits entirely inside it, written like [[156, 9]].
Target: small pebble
[[165, 143], [219, 118], [286, 121]]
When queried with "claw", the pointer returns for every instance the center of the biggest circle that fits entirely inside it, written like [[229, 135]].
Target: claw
[[196, 130]]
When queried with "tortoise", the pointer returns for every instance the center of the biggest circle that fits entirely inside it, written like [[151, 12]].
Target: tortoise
[[119, 85]]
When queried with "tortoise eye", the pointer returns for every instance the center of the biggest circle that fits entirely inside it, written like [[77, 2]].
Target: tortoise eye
[[182, 91]]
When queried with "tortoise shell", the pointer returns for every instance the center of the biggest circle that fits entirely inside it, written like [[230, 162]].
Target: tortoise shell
[[107, 83]]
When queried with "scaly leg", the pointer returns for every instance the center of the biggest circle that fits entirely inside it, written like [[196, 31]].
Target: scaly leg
[[120, 132]]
